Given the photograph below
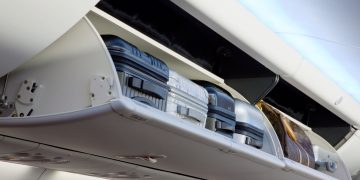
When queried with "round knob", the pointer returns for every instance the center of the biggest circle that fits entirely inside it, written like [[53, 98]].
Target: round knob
[[331, 166]]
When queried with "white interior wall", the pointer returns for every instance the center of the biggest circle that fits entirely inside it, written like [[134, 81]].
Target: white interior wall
[[10, 171]]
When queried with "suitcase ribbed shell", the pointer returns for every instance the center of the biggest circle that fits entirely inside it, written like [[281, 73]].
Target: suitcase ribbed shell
[[142, 76], [187, 100]]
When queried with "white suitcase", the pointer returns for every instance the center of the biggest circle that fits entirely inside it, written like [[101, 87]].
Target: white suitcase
[[187, 100]]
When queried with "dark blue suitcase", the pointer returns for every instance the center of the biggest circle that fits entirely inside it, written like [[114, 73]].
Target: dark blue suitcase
[[221, 113], [142, 76]]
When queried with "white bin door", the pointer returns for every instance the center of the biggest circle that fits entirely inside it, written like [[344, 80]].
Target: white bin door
[[28, 27]]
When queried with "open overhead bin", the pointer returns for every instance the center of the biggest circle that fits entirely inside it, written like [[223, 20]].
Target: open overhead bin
[[68, 107], [77, 106]]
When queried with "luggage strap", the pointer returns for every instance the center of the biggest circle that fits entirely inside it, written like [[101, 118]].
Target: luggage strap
[[147, 87], [190, 113]]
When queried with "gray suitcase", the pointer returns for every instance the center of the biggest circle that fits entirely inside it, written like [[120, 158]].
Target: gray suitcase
[[250, 127], [142, 76], [187, 100], [324, 160]]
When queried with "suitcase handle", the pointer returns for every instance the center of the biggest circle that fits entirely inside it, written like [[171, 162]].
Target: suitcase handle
[[190, 113], [255, 143], [224, 126], [144, 100], [147, 87]]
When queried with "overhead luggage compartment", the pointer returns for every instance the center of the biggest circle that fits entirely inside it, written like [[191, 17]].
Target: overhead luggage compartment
[[73, 109], [68, 100]]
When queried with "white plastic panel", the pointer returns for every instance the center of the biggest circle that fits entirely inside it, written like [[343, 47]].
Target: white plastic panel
[[304, 171], [271, 141], [28, 27], [149, 174], [107, 168], [64, 70], [65, 160], [11, 145], [342, 171], [338, 62], [324, 32], [134, 129], [160, 175], [103, 132], [59, 159], [58, 175], [313, 83], [10, 171], [116, 170], [334, 19], [69, 161], [349, 152]]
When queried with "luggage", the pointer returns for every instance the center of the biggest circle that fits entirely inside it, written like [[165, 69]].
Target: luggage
[[187, 100], [295, 143], [221, 112], [142, 76], [324, 160], [250, 125]]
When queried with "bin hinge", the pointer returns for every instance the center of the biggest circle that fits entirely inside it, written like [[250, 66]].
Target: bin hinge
[[100, 90], [27, 98]]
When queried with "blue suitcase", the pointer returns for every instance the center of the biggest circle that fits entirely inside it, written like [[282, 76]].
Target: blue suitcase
[[142, 76], [221, 110]]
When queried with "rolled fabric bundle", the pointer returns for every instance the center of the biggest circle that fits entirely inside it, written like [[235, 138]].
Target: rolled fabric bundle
[[295, 143]]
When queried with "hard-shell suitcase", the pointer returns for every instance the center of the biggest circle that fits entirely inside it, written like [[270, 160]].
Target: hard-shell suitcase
[[187, 100], [250, 125], [142, 76], [324, 160], [221, 110]]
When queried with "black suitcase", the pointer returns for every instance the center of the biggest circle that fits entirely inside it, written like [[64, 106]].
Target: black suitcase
[[221, 113], [142, 76]]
